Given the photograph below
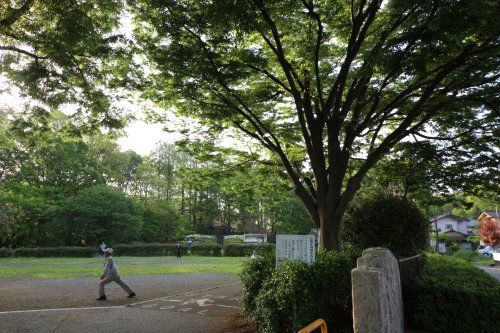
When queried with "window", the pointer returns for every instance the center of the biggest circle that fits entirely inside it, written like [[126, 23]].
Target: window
[[449, 226]]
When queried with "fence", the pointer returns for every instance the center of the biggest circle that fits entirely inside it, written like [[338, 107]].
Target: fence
[[410, 267]]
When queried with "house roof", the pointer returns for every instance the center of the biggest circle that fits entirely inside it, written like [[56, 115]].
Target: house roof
[[448, 215], [456, 232], [491, 213]]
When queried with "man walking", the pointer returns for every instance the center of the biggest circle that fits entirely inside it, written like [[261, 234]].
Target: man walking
[[111, 274], [179, 251]]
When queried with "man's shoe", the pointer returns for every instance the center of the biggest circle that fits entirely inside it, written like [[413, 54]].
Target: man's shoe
[[131, 295], [101, 298]]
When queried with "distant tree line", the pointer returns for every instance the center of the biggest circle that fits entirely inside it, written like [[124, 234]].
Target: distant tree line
[[62, 186]]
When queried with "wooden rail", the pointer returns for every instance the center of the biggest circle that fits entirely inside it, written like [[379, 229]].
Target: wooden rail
[[320, 323]]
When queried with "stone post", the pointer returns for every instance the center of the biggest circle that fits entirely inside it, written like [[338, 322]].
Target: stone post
[[377, 302]]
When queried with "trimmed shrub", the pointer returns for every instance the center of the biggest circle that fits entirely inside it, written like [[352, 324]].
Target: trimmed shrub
[[386, 221], [5, 252], [295, 294], [448, 287], [206, 250], [150, 249], [72, 251], [246, 249], [252, 276]]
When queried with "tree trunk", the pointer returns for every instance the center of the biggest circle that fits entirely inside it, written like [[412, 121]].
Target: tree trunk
[[330, 233]]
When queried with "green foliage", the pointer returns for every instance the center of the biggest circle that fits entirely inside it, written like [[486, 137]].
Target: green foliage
[[474, 240], [4, 252], [473, 257], [74, 50], [151, 249], [320, 85], [162, 249], [447, 287], [205, 250], [39, 252], [253, 275], [295, 294], [386, 221], [160, 221], [246, 249], [100, 213]]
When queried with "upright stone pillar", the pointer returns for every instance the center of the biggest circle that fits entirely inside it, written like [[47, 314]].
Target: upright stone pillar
[[377, 302]]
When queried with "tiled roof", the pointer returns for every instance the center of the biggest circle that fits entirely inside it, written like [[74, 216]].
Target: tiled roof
[[448, 215]]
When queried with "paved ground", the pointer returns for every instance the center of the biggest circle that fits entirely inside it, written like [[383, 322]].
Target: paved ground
[[165, 303], [493, 271]]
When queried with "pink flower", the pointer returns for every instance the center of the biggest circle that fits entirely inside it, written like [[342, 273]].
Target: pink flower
[[440, 301]]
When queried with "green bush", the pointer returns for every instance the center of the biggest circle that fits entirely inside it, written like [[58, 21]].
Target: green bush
[[246, 249], [160, 249], [450, 287], [149, 249], [4, 252], [386, 221], [99, 213], [206, 250], [295, 294], [252, 276], [474, 240], [72, 251]]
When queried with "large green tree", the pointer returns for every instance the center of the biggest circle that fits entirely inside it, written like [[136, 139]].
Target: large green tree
[[65, 51], [329, 87]]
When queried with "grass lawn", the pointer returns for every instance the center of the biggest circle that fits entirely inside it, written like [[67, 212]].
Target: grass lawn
[[17, 268], [473, 257]]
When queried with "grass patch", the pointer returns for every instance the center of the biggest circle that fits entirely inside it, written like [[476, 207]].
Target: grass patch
[[47, 268], [473, 257]]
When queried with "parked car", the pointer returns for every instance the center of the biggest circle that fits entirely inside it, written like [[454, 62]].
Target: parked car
[[485, 250]]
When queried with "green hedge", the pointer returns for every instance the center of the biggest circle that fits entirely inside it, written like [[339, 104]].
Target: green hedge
[[151, 249], [70, 251], [290, 297], [246, 249], [160, 249], [206, 250], [451, 295], [4, 252]]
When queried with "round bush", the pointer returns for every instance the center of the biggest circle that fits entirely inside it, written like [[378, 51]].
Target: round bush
[[386, 221], [100, 213]]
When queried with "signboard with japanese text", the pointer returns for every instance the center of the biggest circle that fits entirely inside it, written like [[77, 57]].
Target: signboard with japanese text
[[295, 247]]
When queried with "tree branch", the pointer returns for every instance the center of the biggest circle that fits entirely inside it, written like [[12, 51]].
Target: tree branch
[[17, 50], [14, 14]]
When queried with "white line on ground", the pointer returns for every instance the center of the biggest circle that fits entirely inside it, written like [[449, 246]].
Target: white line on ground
[[183, 294], [228, 306], [118, 306]]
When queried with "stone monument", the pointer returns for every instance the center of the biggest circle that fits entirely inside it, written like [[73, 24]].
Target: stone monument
[[377, 301]]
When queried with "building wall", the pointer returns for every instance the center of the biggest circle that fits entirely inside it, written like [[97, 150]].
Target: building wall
[[442, 225]]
